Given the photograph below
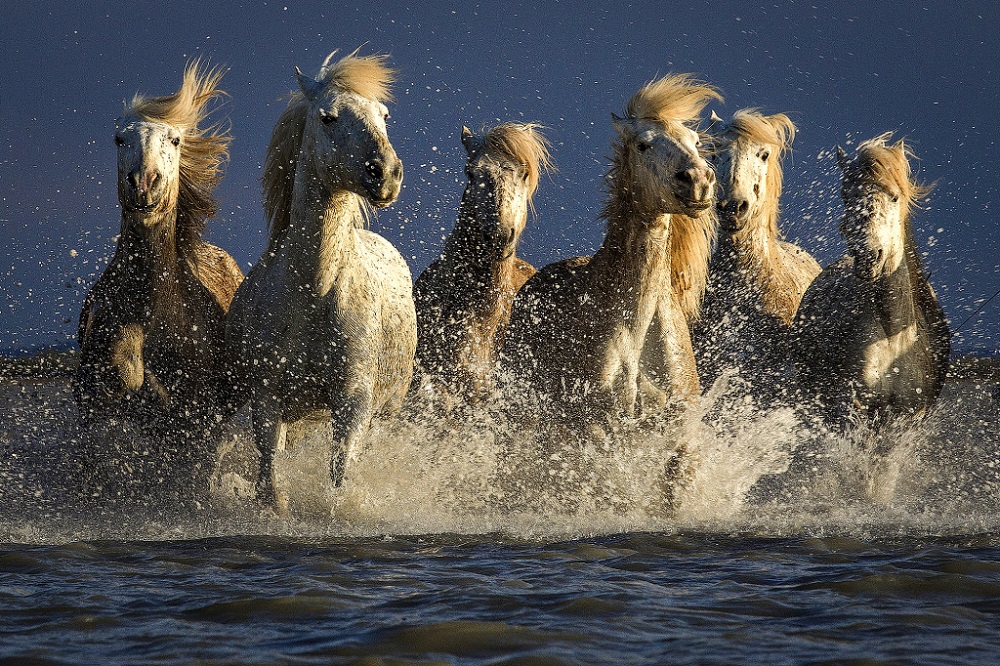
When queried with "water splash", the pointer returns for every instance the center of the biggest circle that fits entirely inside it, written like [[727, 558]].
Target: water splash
[[739, 468]]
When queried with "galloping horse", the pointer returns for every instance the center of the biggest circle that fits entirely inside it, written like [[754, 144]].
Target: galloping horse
[[151, 329], [873, 337], [756, 279], [464, 297], [579, 326], [325, 322]]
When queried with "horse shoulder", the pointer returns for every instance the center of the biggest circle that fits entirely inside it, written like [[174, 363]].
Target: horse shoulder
[[826, 321]]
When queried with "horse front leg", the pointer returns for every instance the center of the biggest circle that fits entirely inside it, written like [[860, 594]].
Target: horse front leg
[[350, 426], [269, 433]]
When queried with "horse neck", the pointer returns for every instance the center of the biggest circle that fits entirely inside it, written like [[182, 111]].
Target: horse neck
[[481, 285], [894, 296], [151, 262], [634, 261], [752, 251], [322, 230]]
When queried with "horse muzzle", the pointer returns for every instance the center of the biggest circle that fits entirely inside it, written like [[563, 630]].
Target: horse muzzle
[[383, 180], [695, 188]]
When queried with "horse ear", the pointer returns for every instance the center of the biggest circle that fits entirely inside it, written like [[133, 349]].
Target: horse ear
[[310, 87], [842, 157], [621, 124], [469, 141]]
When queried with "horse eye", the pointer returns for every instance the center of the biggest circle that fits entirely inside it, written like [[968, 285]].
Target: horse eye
[[386, 117], [176, 141], [895, 198], [119, 141], [643, 146], [328, 118], [765, 155]]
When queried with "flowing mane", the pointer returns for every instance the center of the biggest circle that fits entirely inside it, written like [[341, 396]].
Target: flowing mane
[[367, 76], [521, 143], [202, 151], [676, 97], [889, 164], [778, 131]]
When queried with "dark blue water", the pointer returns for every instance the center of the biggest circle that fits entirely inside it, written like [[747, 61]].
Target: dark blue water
[[781, 551], [624, 599]]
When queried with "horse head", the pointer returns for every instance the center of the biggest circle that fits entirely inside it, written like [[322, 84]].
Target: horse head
[[503, 166], [877, 194], [149, 156], [345, 135], [166, 159], [660, 152], [747, 159]]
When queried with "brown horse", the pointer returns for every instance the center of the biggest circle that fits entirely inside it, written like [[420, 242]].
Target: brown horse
[[756, 279], [579, 326], [464, 297], [874, 341], [151, 329]]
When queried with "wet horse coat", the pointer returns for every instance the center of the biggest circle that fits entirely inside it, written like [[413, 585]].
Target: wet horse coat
[[464, 297], [324, 325], [873, 338]]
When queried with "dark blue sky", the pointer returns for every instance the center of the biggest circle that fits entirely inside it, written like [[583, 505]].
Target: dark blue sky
[[844, 70]]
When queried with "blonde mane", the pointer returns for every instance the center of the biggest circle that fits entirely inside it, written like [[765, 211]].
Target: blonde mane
[[202, 151], [674, 98], [521, 143], [889, 164], [366, 76], [777, 131]]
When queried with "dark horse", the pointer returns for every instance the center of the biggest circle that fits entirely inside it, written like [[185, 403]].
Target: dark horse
[[152, 328], [873, 339]]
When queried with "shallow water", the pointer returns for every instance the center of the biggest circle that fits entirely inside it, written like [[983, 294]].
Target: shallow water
[[787, 545]]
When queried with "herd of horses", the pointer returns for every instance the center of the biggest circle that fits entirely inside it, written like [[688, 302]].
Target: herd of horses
[[692, 280]]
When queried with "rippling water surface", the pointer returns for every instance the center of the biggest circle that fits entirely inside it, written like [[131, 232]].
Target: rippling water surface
[[787, 546]]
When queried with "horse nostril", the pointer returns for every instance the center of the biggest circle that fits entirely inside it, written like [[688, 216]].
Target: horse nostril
[[709, 176], [685, 176], [743, 207], [133, 179], [374, 169]]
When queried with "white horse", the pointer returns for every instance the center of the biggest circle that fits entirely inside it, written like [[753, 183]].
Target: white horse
[[873, 337], [325, 322], [756, 279]]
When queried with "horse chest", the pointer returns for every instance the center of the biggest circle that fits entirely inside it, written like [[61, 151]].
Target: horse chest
[[890, 368]]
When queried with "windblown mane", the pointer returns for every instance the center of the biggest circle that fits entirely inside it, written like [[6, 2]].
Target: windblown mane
[[367, 76], [679, 98], [203, 151], [523, 144], [778, 131]]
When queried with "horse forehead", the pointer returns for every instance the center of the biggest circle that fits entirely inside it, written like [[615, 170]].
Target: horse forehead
[[354, 103], [674, 131], [145, 130]]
